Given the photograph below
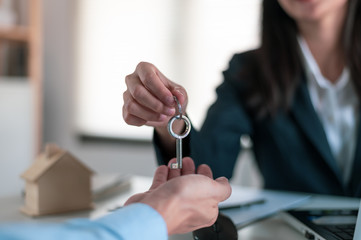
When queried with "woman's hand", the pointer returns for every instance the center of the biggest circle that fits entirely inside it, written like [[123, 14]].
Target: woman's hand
[[149, 99]]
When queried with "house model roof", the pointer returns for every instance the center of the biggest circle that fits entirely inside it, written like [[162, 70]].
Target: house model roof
[[48, 159]]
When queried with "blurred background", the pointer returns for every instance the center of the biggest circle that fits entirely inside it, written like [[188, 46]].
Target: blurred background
[[62, 69]]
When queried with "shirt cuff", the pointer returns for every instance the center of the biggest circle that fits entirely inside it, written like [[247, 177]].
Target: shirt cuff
[[137, 221]]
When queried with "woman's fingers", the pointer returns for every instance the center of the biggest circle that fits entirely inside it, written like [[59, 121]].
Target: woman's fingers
[[149, 76], [141, 94], [137, 114], [149, 98]]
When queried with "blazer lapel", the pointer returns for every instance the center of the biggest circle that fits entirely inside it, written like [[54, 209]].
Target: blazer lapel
[[308, 120], [355, 180]]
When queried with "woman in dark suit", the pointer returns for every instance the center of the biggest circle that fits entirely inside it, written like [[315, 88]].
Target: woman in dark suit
[[297, 97]]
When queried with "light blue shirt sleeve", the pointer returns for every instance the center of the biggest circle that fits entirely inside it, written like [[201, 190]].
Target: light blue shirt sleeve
[[136, 222]]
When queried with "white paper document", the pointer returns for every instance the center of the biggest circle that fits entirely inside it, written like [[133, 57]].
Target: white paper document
[[247, 205]]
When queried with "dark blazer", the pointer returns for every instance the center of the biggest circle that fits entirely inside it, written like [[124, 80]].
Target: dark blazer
[[291, 148]]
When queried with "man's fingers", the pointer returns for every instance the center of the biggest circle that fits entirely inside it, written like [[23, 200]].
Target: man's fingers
[[205, 170], [188, 166], [160, 177], [134, 199], [223, 189]]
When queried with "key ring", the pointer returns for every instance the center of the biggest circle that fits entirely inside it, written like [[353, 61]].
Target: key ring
[[186, 131], [180, 116]]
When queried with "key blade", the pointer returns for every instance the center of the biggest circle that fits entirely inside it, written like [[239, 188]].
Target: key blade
[[179, 152], [174, 166]]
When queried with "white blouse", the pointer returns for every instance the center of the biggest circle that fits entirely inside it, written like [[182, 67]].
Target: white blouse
[[337, 107]]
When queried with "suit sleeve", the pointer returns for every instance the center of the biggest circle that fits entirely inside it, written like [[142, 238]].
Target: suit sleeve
[[134, 222], [217, 143]]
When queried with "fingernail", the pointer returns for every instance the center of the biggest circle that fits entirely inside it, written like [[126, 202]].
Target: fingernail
[[169, 101], [169, 111], [178, 90], [162, 117]]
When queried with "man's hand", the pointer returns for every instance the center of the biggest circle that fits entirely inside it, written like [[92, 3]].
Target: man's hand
[[186, 198]]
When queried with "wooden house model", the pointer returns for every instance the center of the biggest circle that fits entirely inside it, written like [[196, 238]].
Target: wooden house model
[[57, 182]]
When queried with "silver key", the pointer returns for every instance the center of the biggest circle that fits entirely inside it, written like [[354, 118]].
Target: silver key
[[178, 137]]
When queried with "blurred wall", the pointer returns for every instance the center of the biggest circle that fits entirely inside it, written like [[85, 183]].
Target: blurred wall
[[16, 135], [59, 105]]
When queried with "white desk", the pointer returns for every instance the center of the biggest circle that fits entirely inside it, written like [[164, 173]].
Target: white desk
[[271, 228]]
